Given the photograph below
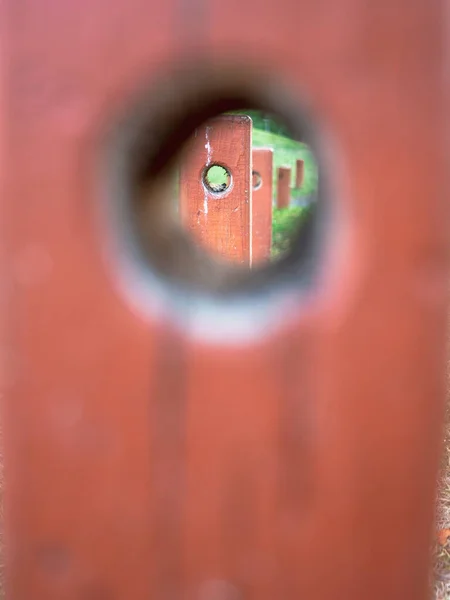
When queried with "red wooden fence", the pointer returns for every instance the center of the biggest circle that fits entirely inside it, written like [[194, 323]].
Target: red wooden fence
[[262, 196], [219, 218], [284, 187], [299, 173], [146, 461]]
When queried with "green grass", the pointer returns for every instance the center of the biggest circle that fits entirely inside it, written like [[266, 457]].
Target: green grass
[[285, 227]]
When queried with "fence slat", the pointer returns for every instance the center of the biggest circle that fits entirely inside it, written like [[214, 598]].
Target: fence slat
[[219, 221], [299, 173], [262, 198], [295, 453], [284, 187]]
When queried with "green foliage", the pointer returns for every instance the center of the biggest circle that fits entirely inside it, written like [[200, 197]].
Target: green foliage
[[285, 225]]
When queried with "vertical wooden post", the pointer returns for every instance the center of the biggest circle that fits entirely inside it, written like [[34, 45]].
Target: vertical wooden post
[[284, 187], [219, 218], [262, 193], [299, 173]]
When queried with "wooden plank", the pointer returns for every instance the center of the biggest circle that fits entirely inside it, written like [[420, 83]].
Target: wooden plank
[[299, 173], [219, 219], [146, 461], [284, 187], [262, 198]]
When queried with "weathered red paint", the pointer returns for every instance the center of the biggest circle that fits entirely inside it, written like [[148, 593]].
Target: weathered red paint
[[143, 462], [299, 173], [219, 222], [262, 197], [283, 187]]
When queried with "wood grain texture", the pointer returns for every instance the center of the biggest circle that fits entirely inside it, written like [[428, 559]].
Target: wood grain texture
[[219, 222]]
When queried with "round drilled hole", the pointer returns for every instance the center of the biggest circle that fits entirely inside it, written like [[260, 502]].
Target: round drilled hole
[[217, 179], [159, 258], [256, 180]]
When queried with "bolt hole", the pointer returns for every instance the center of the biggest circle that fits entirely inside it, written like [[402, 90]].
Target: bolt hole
[[256, 180], [217, 179]]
